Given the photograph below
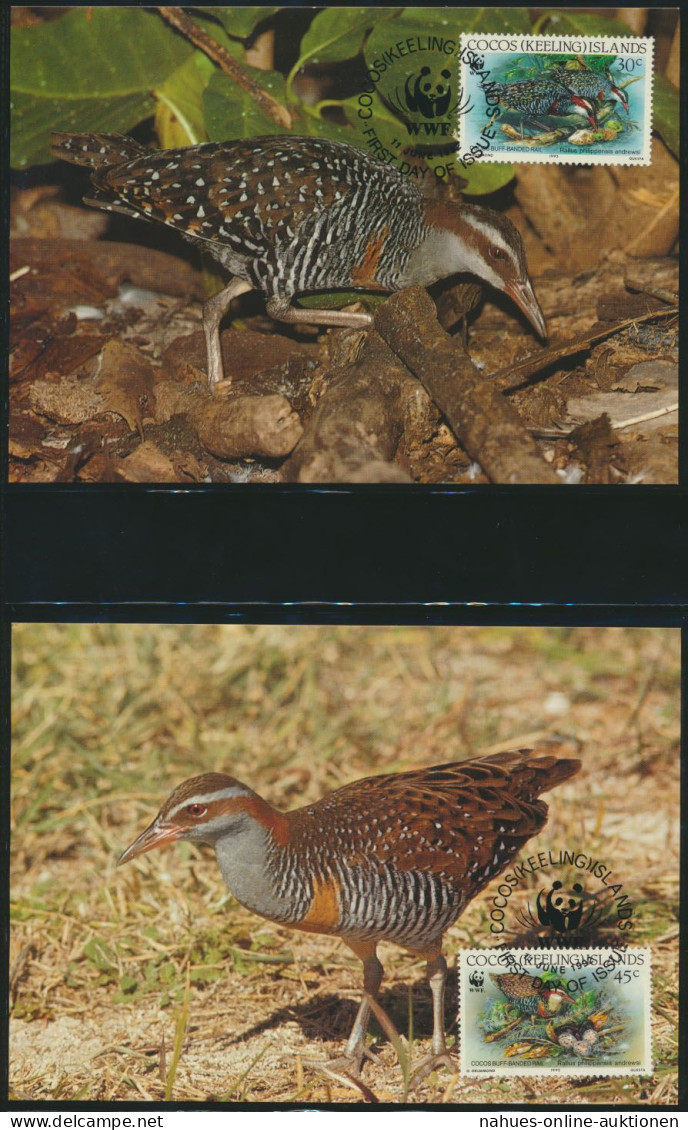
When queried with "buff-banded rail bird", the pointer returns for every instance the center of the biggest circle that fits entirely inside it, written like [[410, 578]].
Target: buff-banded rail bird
[[393, 858], [291, 216], [532, 996]]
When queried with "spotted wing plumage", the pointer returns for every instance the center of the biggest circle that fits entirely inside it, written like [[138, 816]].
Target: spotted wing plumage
[[288, 214], [461, 821], [237, 191]]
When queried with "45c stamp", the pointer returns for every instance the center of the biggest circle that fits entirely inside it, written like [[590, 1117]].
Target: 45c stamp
[[555, 1012], [556, 99]]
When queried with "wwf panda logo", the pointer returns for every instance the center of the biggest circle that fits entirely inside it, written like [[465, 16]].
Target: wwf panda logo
[[476, 978], [561, 907], [424, 95]]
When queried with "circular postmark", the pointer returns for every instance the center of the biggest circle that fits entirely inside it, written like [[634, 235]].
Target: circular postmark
[[561, 896], [407, 111]]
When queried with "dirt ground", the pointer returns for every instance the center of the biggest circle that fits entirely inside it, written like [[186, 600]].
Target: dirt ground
[[150, 982]]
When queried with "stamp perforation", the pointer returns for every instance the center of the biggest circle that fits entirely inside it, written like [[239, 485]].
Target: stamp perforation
[[560, 152], [627, 1028]]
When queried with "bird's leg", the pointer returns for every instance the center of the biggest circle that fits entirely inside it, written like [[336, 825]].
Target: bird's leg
[[372, 978], [356, 1051], [281, 310], [440, 1057], [437, 979], [214, 309]]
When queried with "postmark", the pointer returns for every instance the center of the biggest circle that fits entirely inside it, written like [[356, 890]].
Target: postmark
[[569, 99], [565, 896], [575, 1012], [406, 111]]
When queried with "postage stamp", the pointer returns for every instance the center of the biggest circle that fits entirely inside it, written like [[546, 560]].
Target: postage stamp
[[556, 99], [576, 1012]]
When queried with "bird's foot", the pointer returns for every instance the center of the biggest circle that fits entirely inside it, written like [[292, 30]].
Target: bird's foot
[[346, 1069], [350, 1063], [431, 1063], [223, 387]]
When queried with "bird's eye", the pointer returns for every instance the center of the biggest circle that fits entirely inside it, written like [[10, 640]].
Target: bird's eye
[[497, 253], [196, 809]]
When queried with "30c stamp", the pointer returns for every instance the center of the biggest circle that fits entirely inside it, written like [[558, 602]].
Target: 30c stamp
[[556, 99], [576, 1012]]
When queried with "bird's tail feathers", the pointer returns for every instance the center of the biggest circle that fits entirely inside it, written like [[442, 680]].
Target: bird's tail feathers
[[96, 150], [536, 770]]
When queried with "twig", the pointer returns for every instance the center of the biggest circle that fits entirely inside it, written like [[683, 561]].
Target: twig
[[515, 375], [244, 1075], [647, 416], [658, 292], [547, 138], [486, 425], [162, 1066], [640, 700], [393, 1036], [218, 54], [562, 433]]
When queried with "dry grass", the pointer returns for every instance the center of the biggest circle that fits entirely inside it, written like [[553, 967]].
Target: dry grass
[[152, 981]]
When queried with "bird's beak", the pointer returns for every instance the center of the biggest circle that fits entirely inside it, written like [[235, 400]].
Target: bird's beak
[[521, 292], [621, 97], [155, 835]]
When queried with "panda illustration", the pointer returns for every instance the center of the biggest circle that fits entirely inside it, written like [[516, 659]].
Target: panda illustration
[[561, 909], [429, 98], [476, 978]]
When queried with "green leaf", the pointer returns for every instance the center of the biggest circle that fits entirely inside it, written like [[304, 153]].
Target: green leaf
[[100, 955], [452, 22], [484, 178], [239, 22], [231, 113], [666, 113], [337, 34], [205, 975], [334, 35], [91, 69], [33, 119], [94, 51], [180, 119], [570, 20], [515, 20]]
